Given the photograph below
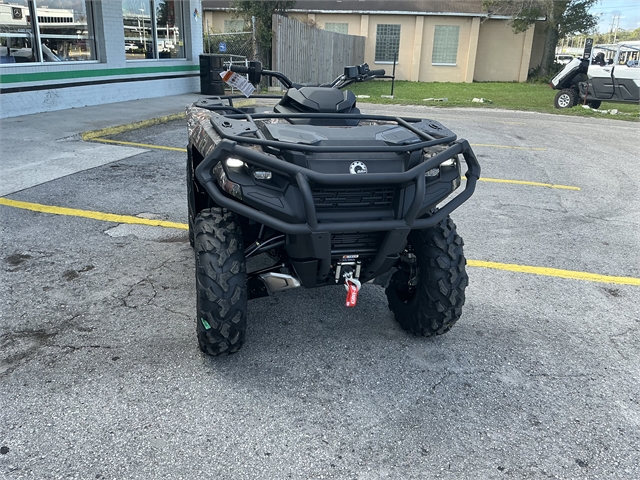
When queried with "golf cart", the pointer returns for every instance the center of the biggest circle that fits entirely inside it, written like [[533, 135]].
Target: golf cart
[[604, 73]]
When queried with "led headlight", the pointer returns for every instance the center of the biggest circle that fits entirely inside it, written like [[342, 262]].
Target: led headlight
[[449, 163], [234, 162], [227, 185], [262, 174], [455, 163]]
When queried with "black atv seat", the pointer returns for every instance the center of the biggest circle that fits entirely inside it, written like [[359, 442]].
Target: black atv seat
[[318, 100]]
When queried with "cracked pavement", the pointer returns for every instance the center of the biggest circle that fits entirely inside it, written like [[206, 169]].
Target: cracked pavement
[[101, 376]]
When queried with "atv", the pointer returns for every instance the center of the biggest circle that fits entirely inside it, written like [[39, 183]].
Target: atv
[[592, 79], [332, 196]]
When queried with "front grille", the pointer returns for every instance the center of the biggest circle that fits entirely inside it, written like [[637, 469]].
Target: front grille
[[362, 243], [350, 198]]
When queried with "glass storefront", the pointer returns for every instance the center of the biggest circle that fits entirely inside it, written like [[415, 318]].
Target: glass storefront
[[33, 33], [153, 29]]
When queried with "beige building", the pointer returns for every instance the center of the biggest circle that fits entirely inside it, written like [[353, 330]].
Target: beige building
[[436, 40]]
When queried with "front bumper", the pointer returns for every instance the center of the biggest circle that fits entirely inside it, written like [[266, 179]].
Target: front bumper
[[412, 183]]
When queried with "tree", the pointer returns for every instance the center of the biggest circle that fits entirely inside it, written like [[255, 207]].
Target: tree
[[262, 11], [628, 35], [561, 18]]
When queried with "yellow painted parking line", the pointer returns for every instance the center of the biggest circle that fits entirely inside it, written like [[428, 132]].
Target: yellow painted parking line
[[105, 217], [512, 267], [142, 145], [533, 184], [555, 272], [515, 147], [131, 126]]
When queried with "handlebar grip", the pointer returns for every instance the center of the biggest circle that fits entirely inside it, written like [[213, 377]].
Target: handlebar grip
[[376, 72], [239, 68]]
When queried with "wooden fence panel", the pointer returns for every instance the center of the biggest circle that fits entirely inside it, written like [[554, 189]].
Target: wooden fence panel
[[308, 54]]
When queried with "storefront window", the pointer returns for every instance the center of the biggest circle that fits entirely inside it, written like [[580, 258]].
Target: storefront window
[[33, 33], [153, 29]]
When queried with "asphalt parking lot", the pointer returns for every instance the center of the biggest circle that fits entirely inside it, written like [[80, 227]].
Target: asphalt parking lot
[[101, 376]]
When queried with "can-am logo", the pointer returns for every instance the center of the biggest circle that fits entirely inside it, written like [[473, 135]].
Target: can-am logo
[[357, 168]]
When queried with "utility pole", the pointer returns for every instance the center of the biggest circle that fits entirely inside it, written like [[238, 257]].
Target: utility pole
[[615, 35], [613, 21]]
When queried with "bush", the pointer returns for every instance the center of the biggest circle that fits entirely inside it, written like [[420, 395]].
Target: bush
[[535, 75]]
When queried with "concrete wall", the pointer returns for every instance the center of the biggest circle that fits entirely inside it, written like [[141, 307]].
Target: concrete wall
[[502, 55], [538, 45], [33, 88]]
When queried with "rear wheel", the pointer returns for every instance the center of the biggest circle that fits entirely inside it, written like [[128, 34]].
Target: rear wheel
[[221, 282], [565, 98], [426, 294], [595, 104]]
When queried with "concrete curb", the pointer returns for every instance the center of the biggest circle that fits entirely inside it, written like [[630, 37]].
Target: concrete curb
[[127, 127]]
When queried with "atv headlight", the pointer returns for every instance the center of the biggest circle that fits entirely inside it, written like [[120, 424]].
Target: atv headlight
[[449, 163], [234, 163], [453, 162], [227, 185], [262, 174]]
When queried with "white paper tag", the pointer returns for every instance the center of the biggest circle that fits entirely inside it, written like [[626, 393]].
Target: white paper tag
[[238, 81]]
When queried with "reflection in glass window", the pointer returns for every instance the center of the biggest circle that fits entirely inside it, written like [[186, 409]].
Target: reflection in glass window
[[64, 31], [153, 29], [32, 33], [17, 35], [169, 29], [138, 33]]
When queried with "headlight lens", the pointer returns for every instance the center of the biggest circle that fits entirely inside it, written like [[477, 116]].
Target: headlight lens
[[234, 162], [449, 163], [262, 174], [227, 185]]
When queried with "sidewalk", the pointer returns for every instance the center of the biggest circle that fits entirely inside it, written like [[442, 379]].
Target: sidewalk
[[38, 148]]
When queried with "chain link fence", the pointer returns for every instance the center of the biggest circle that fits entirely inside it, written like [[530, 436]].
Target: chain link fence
[[236, 45]]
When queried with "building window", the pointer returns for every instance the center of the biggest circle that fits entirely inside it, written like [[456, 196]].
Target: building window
[[337, 27], [233, 26], [35, 34], [445, 45], [387, 43], [153, 29]]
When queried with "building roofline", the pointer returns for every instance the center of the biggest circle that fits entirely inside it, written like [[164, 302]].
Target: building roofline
[[378, 12]]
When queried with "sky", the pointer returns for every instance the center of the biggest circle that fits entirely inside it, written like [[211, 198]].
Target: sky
[[629, 11]]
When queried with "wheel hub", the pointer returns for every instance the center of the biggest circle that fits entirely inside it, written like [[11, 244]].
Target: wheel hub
[[564, 100]]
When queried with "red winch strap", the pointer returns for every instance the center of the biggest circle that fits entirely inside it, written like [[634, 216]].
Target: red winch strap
[[353, 287]]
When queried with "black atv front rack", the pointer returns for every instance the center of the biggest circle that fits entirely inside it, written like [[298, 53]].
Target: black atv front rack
[[417, 216]]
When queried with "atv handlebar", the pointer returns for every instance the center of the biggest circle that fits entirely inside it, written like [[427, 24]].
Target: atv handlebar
[[352, 74], [239, 69]]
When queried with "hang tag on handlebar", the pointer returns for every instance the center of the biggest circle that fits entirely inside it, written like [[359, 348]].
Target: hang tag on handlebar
[[238, 81]]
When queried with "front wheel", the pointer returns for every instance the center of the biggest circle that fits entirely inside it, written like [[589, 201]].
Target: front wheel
[[565, 98], [595, 104], [426, 294], [221, 282]]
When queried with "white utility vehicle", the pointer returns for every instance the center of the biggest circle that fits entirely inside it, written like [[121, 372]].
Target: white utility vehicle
[[605, 73]]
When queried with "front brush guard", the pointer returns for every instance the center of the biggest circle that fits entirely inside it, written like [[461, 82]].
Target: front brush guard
[[302, 177]]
